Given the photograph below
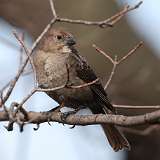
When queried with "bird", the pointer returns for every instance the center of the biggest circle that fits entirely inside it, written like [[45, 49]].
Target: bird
[[57, 62]]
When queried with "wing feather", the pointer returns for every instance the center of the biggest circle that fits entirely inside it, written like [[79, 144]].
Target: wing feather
[[85, 73]]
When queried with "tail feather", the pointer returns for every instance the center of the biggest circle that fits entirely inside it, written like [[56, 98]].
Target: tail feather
[[115, 137]]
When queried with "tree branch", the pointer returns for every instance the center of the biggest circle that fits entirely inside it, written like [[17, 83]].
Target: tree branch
[[41, 117], [116, 62], [136, 107], [105, 23]]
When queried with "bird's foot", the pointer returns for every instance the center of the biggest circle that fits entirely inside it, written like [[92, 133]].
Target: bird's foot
[[66, 114], [49, 113]]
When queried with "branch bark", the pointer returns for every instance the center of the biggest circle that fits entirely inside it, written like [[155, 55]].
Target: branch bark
[[121, 120]]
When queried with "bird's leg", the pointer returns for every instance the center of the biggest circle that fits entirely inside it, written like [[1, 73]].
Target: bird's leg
[[55, 109], [66, 114]]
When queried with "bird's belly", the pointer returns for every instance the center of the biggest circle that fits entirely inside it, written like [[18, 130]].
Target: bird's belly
[[56, 74], [52, 72], [70, 96]]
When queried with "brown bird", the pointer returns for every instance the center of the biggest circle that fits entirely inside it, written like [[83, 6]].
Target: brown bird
[[57, 62]]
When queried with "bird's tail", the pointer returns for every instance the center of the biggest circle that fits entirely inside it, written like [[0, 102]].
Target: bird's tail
[[115, 137]]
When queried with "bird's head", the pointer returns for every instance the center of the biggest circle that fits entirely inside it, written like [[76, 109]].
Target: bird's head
[[56, 40], [63, 38]]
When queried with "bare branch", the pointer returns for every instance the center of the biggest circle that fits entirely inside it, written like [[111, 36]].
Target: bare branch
[[149, 130], [83, 85], [38, 90], [114, 19], [40, 117], [2, 93], [42, 34], [99, 50], [27, 53], [136, 107], [105, 23], [27, 72], [21, 50], [54, 89], [112, 73], [130, 52], [115, 62], [13, 82], [53, 8], [103, 53], [93, 23]]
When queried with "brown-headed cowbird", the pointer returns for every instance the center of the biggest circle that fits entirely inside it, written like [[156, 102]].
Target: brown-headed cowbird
[[56, 62]]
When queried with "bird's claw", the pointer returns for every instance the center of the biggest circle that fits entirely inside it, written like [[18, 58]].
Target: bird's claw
[[72, 126], [66, 114]]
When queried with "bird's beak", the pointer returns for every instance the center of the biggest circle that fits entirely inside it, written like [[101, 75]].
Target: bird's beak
[[70, 41]]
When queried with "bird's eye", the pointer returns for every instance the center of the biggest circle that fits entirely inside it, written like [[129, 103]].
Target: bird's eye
[[59, 37]]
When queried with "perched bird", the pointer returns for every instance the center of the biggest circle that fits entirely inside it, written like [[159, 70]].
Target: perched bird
[[56, 62]]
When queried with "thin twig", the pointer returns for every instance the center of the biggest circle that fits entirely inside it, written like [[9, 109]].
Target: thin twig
[[83, 85], [112, 73], [114, 19], [21, 50], [115, 62], [14, 81], [105, 23], [136, 107], [145, 132], [127, 8], [22, 45], [54, 89], [130, 52], [1, 95], [83, 22], [133, 50], [5, 87], [99, 50], [42, 34], [27, 53], [53, 8], [27, 72]]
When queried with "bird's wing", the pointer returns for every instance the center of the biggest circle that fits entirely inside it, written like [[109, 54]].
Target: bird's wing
[[85, 72]]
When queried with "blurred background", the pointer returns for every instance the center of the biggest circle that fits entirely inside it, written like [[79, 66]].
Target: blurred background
[[136, 81]]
